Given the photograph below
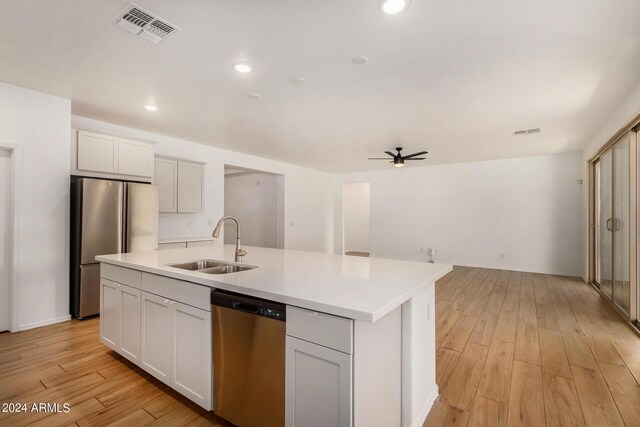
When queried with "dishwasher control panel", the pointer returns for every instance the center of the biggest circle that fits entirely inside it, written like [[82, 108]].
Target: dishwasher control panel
[[274, 314]]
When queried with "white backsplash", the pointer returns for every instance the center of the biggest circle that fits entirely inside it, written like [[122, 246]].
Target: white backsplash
[[178, 225]]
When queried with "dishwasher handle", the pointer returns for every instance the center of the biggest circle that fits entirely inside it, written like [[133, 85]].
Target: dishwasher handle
[[243, 306]]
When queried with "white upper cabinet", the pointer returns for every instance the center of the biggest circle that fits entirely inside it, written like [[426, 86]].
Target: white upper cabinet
[[190, 187], [166, 178], [181, 185], [135, 158], [97, 152], [108, 156]]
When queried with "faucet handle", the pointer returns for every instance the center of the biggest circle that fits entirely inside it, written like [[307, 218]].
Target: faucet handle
[[240, 253]]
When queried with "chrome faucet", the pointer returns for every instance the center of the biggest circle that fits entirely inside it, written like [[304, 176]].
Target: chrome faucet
[[216, 233]]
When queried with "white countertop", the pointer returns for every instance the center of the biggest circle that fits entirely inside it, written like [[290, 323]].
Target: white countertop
[[348, 286], [162, 240]]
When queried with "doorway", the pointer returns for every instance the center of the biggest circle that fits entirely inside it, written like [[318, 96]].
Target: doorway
[[5, 236], [256, 198], [614, 224], [356, 219]]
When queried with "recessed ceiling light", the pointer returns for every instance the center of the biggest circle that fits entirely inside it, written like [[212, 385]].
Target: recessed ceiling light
[[254, 95], [298, 80], [242, 67], [360, 60], [392, 7], [151, 107]]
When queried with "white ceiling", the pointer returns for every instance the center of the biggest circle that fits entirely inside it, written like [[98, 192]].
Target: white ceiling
[[453, 77]]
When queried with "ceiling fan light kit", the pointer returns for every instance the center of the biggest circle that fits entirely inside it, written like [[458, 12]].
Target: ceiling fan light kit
[[398, 158]]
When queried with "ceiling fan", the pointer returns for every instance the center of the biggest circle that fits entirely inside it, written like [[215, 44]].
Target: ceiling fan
[[398, 159]]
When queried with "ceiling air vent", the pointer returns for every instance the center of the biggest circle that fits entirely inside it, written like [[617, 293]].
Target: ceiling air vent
[[148, 26], [527, 131]]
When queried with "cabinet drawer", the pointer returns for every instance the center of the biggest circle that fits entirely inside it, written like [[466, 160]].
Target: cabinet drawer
[[126, 276], [320, 328], [177, 290]]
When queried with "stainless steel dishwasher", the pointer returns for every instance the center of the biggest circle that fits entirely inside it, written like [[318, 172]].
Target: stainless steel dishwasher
[[248, 359]]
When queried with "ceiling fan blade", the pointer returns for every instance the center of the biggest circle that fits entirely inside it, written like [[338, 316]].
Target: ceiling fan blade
[[378, 158], [416, 158], [415, 154], [390, 153]]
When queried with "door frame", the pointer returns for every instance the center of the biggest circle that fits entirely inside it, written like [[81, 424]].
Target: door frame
[[14, 222], [634, 237]]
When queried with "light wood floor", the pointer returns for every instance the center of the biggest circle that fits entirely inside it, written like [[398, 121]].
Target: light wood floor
[[65, 363], [513, 348], [529, 349]]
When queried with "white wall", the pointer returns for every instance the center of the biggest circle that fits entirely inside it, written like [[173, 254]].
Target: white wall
[[253, 199], [530, 209], [355, 208], [308, 194], [618, 118], [39, 126]]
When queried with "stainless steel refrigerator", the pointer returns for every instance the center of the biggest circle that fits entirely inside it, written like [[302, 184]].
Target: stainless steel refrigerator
[[107, 217]]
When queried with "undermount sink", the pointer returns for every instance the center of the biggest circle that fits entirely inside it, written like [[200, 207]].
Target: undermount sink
[[209, 266]]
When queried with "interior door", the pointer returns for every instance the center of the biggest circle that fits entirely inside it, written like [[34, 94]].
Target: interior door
[[5, 199], [605, 221]]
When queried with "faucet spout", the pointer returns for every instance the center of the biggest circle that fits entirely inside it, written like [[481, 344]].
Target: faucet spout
[[216, 233]]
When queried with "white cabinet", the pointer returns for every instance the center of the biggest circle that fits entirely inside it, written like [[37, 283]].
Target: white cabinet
[[97, 152], [120, 318], [135, 158], [176, 346], [156, 336], [191, 353], [109, 314], [318, 385], [166, 178], [190, 187], [109, 156], [162, 325], [181, 185]]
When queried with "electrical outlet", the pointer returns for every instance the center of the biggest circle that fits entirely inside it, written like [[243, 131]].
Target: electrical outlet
[[503, 255], [292, 223]]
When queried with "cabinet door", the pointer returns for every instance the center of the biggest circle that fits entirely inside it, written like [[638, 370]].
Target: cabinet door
[[130, 323], [110, 313], [166, 178], [318, 385], [156, 336], [134, 158], [191, 351], [190, 187], [97, 152]]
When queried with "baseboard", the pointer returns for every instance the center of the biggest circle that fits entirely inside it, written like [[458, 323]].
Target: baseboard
[[517, 268], [45, 322], [424, 411]]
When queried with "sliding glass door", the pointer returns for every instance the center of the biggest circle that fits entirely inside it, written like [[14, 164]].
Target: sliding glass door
[[620, 224], [614, 222], [605, 250]]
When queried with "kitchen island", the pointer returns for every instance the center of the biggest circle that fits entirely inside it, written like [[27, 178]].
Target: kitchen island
[[360, 328]]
